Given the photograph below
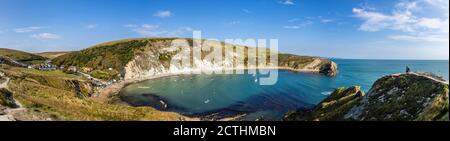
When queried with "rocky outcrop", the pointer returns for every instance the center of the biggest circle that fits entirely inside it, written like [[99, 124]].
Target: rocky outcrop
[[7, 99], [329, 69], [146, 58], [332, 108], [400, 97]]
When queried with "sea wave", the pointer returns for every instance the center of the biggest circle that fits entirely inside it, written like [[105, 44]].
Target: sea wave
[[326, 93]]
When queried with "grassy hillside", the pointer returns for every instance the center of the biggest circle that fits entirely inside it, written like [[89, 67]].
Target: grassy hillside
[[67, 97], [22, 56], [103, 56], [51, 55]]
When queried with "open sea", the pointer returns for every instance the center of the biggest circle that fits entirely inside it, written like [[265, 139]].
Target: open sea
[[199, 95]]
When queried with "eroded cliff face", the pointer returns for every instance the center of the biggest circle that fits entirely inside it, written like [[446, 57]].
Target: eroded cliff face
[[401, 97], [149, 57], [160, 58]]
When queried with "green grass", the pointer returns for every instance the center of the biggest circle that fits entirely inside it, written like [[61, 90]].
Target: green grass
[[413, 90], [105, 74], [21, 56], [51, 55], [117, 54], [54, 93], [336, 105], [297, 62], [102, 57], [332, 108]]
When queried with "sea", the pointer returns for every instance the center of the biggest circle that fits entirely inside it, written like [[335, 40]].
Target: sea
[[224, 95]]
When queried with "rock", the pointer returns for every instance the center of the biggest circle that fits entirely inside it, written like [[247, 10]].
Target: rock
[[332, 108], [2, 110], [329, 69], [140, 59], [6, 98], [7, 118], [404, 97], [144, 100]]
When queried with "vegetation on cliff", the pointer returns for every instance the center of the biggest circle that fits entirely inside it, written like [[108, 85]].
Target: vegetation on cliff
[[117, 54], [402, 97], [332, 108], [103, 56]]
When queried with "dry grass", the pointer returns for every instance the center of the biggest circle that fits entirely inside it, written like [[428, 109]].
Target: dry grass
[[38, 91]]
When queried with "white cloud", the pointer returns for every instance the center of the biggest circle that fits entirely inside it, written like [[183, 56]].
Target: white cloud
[[374, 21], [433, 23], [45, 36], [427, 38], [163, 14], [288, 2], [91, 26], [292, 27], [148, 30], [326, 20], [247, 11], [298, 26], [130, 25], [313, 19], [444, 4], [406, 18], [233, 23], [294, 20], [179, 32], [27, 29]]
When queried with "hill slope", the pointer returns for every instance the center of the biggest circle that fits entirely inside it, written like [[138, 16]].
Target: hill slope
[[138, 58], [51, 55], [54, 95], [21, 56]]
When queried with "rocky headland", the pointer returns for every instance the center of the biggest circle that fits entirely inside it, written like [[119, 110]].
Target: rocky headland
[[398, 97]]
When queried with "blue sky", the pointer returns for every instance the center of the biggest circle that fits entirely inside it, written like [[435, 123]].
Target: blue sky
[[362, 29]]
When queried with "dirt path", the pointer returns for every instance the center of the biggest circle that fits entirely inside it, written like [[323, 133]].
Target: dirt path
[[431, 77], [9, 112]]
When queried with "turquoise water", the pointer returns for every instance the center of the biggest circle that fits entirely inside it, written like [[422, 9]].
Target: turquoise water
[[224, 95]]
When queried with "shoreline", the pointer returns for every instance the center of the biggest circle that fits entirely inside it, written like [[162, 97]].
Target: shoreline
[[105, 94]]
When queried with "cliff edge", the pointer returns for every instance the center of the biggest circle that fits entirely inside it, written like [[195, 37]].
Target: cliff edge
[[398, 97]]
